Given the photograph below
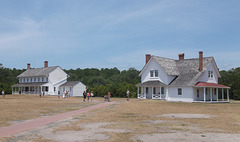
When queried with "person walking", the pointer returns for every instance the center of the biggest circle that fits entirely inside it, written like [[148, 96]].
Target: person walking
[[128, 93], [84, 96], [88, 95], [109, 95], [3, 93], [58, 94], [40, 95], [68, 94], [64, 95], [91, 95]]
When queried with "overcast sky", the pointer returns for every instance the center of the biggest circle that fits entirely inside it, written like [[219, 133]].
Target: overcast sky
[[117, 33]]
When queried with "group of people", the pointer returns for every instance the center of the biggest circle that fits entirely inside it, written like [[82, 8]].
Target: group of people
[[41, 94], [87, 95], [66, 94]]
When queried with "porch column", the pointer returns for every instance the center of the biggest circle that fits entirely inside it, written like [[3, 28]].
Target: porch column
[[166, 95], [138, 91], [160, 92], [222, 94], [204, 94], [217, 94], [211, 93], [228, 95], [152, 93]]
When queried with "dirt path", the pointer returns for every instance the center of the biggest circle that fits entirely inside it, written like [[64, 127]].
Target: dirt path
[[29, 125]]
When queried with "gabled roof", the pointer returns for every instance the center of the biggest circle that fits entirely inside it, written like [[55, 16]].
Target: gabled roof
[[37, 72], [71, 83], [189, 71], [186, 71], [169, 65]]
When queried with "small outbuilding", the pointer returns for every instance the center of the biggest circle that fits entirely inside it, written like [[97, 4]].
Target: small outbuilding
[[75, 88]]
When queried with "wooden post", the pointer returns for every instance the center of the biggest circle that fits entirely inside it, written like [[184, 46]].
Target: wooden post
[[228, 95], [138, 91], [217, 94], [204, 94], [152, 93], [160, 92], [222, 94], [211, 93]]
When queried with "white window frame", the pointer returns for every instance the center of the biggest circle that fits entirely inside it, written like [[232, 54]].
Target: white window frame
[[153, 73], [162, 90], [210, 74], [179, 91], [198, 93]]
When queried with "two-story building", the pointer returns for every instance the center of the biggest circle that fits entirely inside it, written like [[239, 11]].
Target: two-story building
[[187, 80], [36, 80]]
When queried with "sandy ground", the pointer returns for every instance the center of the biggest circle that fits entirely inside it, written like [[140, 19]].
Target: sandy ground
[[100, 131], [165, 127]]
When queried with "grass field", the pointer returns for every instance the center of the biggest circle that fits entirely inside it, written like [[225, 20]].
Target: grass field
[[14, 108], [135, 120]]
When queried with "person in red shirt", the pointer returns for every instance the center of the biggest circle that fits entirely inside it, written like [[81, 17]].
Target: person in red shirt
[[88, 95]]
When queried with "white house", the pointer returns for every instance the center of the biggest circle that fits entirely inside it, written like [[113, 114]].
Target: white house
[[186, 80], [47, 79], [76, 88]]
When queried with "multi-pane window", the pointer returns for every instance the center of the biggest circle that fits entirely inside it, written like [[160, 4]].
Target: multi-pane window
[[156, 73], [154, 90], [210, 74], [153, 73], [197, 93], [179, 91], [162, 90]]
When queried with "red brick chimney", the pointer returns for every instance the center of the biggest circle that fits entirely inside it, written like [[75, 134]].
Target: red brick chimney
[[45, 64], [148, 56], [28, 66], [200, 60], [181, 56]]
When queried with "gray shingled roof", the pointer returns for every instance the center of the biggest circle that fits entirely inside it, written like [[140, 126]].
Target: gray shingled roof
[[186, 71], [70, 83], [151, 83], [37, 72], [189, 71], [169, 65]]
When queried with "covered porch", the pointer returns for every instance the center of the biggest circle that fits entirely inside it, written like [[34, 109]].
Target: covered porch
[[29, 88], [211, 93], [151, 90]]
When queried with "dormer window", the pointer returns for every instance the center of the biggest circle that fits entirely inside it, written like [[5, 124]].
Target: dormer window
[[210, 74], [153, 73]]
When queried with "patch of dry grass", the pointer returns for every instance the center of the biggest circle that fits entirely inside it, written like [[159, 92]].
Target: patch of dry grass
[[15, 108], [133, 116], [136, 116]]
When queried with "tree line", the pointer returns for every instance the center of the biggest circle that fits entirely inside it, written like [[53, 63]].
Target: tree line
[[107, 80], [104, 80]]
